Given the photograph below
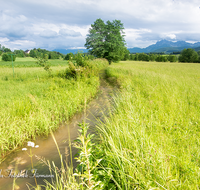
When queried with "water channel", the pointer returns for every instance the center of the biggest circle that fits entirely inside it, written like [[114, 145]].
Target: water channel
[[47, 149]]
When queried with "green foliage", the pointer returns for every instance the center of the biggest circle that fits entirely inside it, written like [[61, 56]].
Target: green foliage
[[151, 141], [132, 57], [54, 55], [88, 174], [42, 52], [43, 61], [6, 50], [161, 58], [106, 40], [172, 58], [8, 57], [21, 62], [33, 53], [81, 59], [152, 57], [83, 67], [189, 56], [87, 168], [143, 57], [126, 55], [136, 56], [69, 56], [34, 103], [0, 52], [19, 53]]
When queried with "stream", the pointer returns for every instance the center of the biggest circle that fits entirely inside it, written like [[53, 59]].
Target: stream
[[47, 149]]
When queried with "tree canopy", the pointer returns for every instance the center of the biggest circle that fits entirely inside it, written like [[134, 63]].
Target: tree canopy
[[106, 40], [189, 55]]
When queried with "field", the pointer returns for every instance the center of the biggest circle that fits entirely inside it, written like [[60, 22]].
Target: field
[[33, 102], [152, 140], [30, 62]]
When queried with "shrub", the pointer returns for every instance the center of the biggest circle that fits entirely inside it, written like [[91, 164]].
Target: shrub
[[143, 57], [7, 57], [161, 58], [189, 56], [69, 56], [172, 58], [152, 57]]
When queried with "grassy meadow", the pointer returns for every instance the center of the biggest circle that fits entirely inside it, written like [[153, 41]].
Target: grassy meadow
[[33, 102], [152, 140], [30, 62]]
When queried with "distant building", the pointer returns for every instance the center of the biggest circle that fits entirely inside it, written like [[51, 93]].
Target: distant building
[[27, 51]]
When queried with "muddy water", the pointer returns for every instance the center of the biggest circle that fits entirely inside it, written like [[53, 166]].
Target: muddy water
[[47, 149]]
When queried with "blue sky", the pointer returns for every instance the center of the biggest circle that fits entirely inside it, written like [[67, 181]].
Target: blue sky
[[52, 24]]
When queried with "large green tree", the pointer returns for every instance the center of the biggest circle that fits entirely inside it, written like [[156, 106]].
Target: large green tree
[[189, 56], [106, 40]]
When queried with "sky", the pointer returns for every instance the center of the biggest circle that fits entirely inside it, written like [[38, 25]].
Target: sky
[[64, 24]]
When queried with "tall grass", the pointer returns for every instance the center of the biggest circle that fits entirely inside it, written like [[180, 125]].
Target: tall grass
[[34, 103], [152, 140], [30, 62]]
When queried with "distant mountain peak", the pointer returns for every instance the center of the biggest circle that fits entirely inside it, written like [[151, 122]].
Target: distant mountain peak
[[161, 45]]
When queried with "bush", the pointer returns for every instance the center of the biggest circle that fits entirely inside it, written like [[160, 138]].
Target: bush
[[143, 57], [189, 56], [7, 57], [152, 57], [132, 57], [83, 67], [172, 58], [19, 53], [69, 56], [54, 55], [161, 58]]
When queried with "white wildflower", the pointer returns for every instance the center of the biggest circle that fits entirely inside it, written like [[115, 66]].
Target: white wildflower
[[36, 146], [32, 144], [29, 143], [24, 149]]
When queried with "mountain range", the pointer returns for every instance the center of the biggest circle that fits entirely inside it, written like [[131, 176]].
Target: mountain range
[[160, 46], [66, 51], [165, 46]]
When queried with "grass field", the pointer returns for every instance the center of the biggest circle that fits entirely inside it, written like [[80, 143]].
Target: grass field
[[152, 140], [30, 62], [33, 103]]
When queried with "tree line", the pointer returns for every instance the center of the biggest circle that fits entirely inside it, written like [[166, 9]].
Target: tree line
[[43, 53], [35, 53], [186, 56]]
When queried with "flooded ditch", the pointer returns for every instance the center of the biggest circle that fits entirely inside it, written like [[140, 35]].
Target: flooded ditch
[[47, 149]]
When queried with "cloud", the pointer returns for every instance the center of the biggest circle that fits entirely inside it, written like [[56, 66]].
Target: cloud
[[67, 32], [65, 23], [168, 36], [3, 40], [48, 33]]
